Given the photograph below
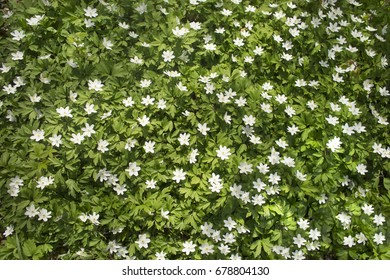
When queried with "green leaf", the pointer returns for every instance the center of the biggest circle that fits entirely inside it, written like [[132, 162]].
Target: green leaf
[[29, 248], [256, 247], [386, 183], [267, 246], [195, 180]]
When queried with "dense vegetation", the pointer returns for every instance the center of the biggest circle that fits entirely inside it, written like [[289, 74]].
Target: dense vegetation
[[194, 129]]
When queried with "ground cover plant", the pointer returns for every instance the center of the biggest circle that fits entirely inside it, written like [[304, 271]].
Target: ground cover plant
[[194, 129]]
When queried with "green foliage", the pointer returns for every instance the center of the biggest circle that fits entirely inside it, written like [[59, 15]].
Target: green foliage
[[194, 130]]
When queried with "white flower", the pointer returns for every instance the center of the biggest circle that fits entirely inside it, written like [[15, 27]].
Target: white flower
[[44, 215], [4, 68], [145, 83], [293, 129], [147, 100], [334, 144], [254, 139], [245, 168], [349, 241], [281, 98], [94, 218], [18, 35], [288, 161], [150, 184], [368, 85], [160, 256], [162, 104], [77, 138], [179, 175], [72, 63], [133, 169], [181, 87], [34, 20], [144, 120], [95, 85], [184, 139], [73, 96], [9, 89], [130, 143], [281, 143], [44, 182], [149, 146], [64, 112], [361, 169], [173, 74], [31, 211], [107, 44], [142, 241], [303, 224], [249, 120], [258, 199], [226, 12], [322, 199], [90, 12], [274, 178], [223, 152], [368, 209], [17, 55], [128, 102], [238, 42], [142, 8], [227, 118], [124, 25], [19, 81], [216, 183], [274, 157], [210, 46], [314, 234], [88, 130], [192, 156], [89, 109], [299, 240], [207, 229], [298, 255], [136, 60], [379, 238], [349, 130], [206, 249], [88, 23], [202, 128], [168, 56], [287, 56], [230, 223], [180, 32], [300, 176], [120, 189], [14, 186], [344, 219], [229, 238], [220, 30], [300, 83], [258, 50], [332, 120], [8, 231], [102, 146], [132, 34], [188, 247], [289, 111], [164, 214], [361, 238], [38, 135], [379, 220]]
